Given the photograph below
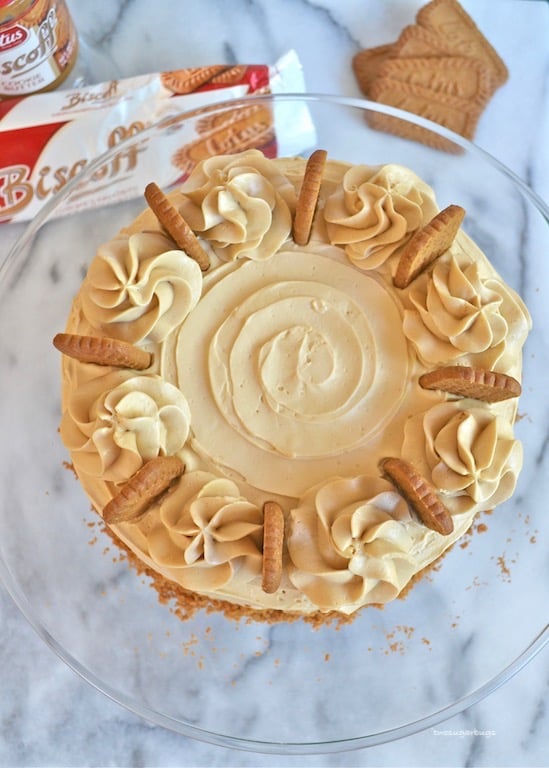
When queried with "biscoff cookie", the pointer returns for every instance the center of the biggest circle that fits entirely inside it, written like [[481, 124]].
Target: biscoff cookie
[[367, 63], [175, 225], [419, 42], [446, 56], [419, 494], [217, 120], [452, 112], [135, 497], [308, 197], [102, 351], [273, 540], [411, 131], [454, 76], [427, 244], [230, 76], [416, 41], [451, 23], [476, 383]]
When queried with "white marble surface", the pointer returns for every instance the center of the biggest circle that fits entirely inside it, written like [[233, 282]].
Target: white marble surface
[[48, 715]]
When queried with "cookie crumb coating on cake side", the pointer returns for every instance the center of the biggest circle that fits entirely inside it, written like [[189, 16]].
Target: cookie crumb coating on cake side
[[327, 388]]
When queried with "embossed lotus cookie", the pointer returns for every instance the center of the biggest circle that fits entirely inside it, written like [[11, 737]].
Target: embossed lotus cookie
[[102, 351], [442, 68], [175, 225], [316, 417], [465, 381]]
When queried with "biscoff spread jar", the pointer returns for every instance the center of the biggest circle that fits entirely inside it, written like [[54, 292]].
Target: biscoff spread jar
[[38, 46]]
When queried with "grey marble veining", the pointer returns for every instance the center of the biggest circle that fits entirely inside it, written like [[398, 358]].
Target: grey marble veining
[[48, 714]]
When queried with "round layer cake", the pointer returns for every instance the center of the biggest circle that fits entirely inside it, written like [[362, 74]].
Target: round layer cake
[[286, 374]]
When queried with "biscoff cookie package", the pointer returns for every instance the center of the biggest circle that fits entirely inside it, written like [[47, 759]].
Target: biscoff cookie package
[[47, 139]]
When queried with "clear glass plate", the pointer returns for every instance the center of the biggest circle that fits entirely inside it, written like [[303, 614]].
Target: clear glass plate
[[285, 688]]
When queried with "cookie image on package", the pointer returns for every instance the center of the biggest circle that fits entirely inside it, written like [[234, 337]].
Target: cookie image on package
[[234, 131], [182, 81]]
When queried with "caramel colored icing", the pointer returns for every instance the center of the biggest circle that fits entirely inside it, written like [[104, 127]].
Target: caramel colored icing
[[463, 312], [286, 373], [375, 211], [138, 287]]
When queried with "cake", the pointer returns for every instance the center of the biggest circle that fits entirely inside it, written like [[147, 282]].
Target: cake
[[306, 402]]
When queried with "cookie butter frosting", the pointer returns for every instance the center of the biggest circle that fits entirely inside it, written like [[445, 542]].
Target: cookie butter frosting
[[286, 373], [112, 426], [349, 543], [139, 287], [243, 206], [375, 211], [462, 310], [208, 531]]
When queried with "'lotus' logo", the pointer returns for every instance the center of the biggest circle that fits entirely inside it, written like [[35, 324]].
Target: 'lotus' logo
[[12, 37]]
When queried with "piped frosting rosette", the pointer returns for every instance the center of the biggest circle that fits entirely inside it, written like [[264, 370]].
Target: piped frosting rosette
[[139, 287], [349, 542], [204, 532], [242, 204], [114, 423], [375, 210], [461, 312], [468, 451]]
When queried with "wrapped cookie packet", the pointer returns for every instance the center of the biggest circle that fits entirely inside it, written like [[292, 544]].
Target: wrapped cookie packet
[[47, 138]]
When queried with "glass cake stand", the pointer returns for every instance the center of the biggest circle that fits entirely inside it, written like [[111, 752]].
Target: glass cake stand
[[461, 632]]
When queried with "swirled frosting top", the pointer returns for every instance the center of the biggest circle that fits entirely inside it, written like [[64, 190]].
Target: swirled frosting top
[[286, 373]]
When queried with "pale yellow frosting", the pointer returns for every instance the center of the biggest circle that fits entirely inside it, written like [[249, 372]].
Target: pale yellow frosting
[[286, 373], [208, 530], [305, 368]]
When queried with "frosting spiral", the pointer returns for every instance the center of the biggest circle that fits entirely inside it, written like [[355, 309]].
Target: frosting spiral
[[113, 424], [241, 203], [297, 371], [470, 452], [139, 287], [208, 531], [459, 312], [376, 210], [349, 544]]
